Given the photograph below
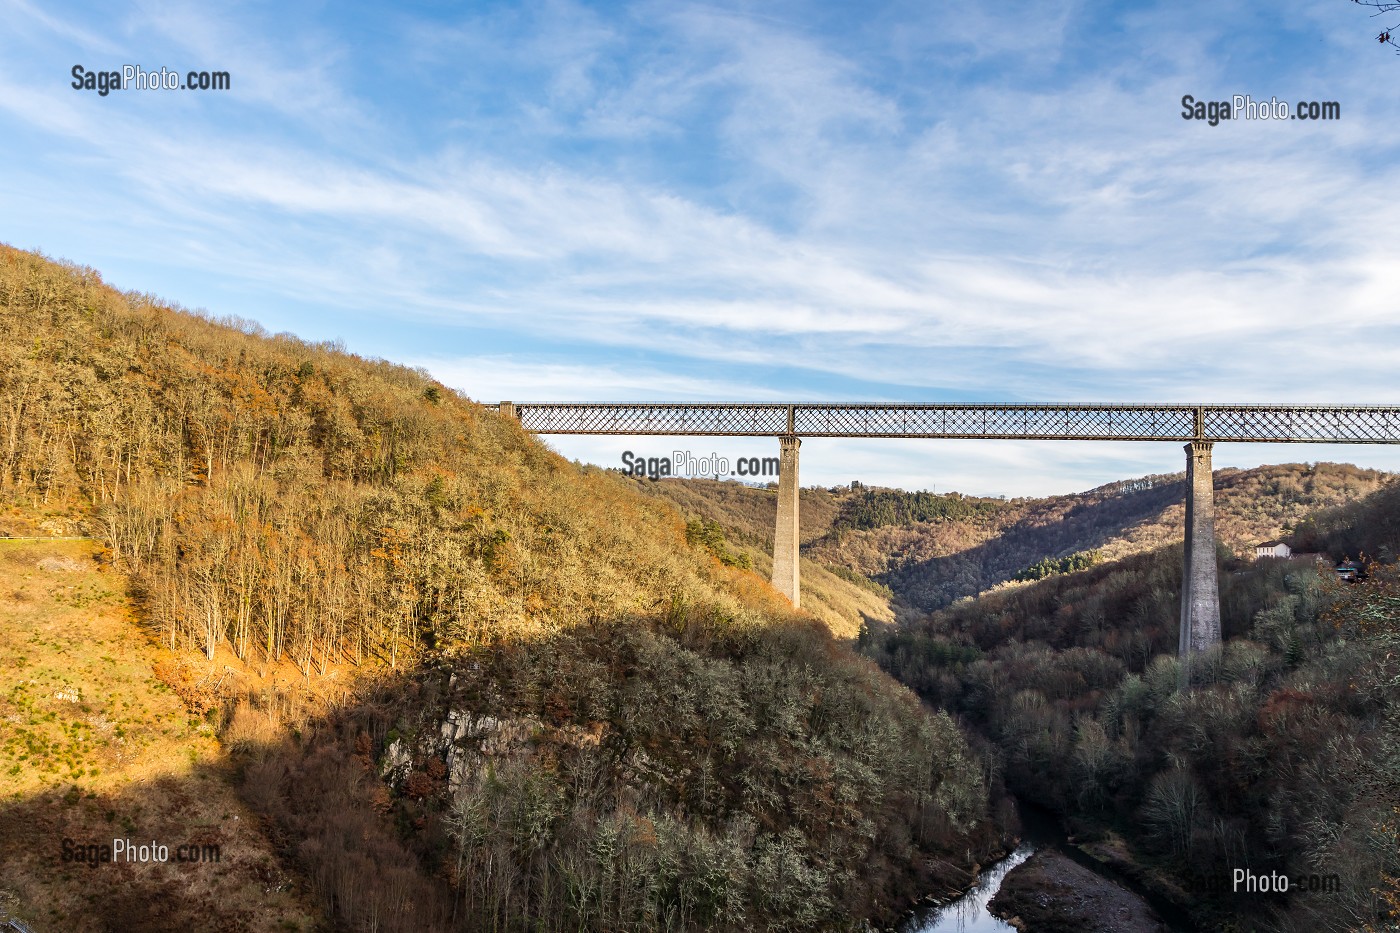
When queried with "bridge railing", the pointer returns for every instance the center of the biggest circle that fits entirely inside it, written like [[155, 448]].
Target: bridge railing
[[1331, 424]]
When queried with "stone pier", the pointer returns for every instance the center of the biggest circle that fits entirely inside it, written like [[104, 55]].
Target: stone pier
[[785, 541], [1200, 589]]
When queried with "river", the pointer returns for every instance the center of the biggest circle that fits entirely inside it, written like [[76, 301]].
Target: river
[[969, 914]]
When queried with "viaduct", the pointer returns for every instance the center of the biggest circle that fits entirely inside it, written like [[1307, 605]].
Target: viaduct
[[1199, 427]]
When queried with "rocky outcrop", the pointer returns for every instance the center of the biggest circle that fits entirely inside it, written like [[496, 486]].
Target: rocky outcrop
[[463, 739]]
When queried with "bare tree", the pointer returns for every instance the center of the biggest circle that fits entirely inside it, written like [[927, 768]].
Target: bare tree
[[1387, 35]]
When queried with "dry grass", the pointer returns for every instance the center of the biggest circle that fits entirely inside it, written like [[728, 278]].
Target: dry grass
[[95, 746], [747, 514], [838, 604]]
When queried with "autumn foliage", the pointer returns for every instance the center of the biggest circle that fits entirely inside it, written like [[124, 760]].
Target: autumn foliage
[[287, 502]]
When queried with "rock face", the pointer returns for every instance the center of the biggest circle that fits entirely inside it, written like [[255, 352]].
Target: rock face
[[459, 741], [1050, 894], [463, 741]]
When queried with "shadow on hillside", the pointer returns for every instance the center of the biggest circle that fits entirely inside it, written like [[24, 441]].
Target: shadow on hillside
[[624, 774], [58, 877], [1258, 499]]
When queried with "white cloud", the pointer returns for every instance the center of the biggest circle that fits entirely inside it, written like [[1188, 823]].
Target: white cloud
[[297, 72], [490, 379], [697, 202]]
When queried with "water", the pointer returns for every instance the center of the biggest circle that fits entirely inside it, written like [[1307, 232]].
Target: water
[[969, 914]]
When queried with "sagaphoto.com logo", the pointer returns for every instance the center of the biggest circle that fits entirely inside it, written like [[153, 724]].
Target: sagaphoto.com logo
[[134, 77], [123, 851], [1244, 107], [706, 466]]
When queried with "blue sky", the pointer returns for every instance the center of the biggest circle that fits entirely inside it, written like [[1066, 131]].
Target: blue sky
[[766, 201]]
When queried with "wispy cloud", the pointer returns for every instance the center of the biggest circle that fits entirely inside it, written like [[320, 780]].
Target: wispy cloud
[[26, 19], [699, 200]]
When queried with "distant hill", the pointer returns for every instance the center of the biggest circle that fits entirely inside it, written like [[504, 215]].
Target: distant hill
[[748, 512], [933, 549]]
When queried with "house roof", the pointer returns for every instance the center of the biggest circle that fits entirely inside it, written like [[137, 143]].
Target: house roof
[[1271, 544]]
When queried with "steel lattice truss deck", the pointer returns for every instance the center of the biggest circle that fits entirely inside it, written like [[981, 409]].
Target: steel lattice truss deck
[[1329, 424]]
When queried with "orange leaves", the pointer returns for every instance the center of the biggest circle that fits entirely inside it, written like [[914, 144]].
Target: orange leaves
[[420, 785], [364, 749], [379, 799], [392, 542], [288, 496]]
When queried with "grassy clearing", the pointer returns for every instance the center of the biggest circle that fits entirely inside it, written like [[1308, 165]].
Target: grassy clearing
[[95, 746]]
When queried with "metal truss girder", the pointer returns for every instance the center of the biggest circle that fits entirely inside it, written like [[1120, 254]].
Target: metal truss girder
[[1330, 424]]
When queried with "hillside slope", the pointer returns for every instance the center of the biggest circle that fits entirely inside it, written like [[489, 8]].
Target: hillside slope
[[553, 686], [96, 747], [936, 563], [747, 512], [841, 599]]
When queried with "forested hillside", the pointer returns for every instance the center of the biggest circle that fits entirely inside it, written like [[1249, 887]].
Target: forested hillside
[[929, 564], [747, 513], [625, 699], [1283, 757]]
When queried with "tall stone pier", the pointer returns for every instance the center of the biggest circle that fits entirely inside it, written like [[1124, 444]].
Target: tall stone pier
[[785, 571], [1200, 589]]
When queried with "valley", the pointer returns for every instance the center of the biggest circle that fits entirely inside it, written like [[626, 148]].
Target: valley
[[924, 551], [409, 669]]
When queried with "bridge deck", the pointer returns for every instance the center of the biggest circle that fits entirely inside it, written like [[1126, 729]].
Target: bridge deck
[[1328, 424]]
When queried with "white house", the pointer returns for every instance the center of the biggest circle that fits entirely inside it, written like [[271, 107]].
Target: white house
[[1272, 549]]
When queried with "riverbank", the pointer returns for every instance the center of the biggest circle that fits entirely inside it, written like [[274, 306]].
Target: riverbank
[[1050, 893], [1103, 888]]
